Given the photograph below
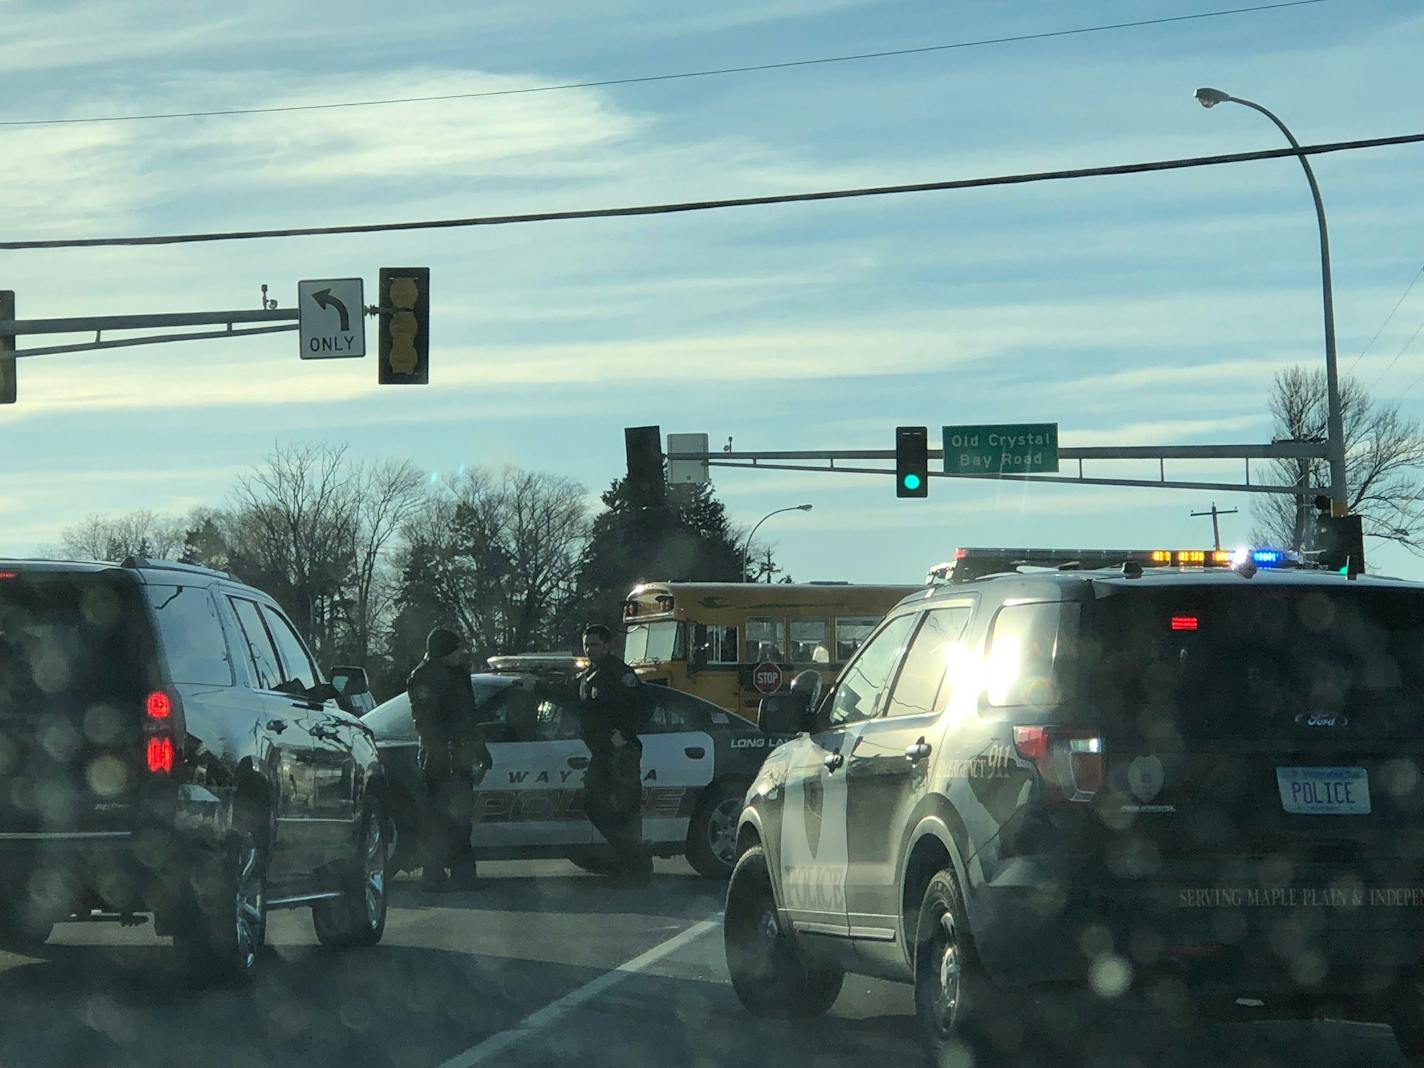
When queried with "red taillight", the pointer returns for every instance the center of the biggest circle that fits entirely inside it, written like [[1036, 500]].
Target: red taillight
[[1070, 761], [1184, 622], [9, 575], [160, 755], [160, 705]]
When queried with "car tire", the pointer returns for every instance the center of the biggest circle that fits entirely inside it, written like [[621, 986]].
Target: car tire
[[712, 832], [20, 932], [768, 972], [951, 989], [358, 916], [223, 926], [1407, 1020]]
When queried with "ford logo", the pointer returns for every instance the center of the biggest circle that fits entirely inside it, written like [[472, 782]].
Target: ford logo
[[1321, 719]]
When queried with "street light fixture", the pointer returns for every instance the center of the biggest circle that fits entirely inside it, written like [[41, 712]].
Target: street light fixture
[[1335, 439], [747, 548]]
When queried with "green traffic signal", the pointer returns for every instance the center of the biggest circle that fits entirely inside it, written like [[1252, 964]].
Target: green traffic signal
[[912, 481]]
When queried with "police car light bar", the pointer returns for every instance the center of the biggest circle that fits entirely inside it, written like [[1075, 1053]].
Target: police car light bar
[[972, 563]]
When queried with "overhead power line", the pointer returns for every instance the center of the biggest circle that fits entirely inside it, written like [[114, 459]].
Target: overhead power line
[[1402, 350], [710, 205], [642, 79], [1387, 319]]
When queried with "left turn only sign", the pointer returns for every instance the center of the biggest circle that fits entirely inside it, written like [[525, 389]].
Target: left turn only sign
[[333, 318]]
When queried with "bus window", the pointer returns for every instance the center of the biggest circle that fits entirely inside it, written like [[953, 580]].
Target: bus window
[[764, 640], [654, 643], [810, 641], [721, 645], [851, 635]]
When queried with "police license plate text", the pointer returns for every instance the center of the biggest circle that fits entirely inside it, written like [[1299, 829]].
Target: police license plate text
[[1325, 791]]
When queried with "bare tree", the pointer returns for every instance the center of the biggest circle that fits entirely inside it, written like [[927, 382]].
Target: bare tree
[[495, 554], [386, 497], [138, 533], [1384, 454], [293, 523]]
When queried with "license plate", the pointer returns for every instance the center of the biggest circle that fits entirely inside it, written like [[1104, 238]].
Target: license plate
[[1325, 791]]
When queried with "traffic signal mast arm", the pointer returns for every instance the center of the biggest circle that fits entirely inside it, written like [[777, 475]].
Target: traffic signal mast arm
[[845, 462]]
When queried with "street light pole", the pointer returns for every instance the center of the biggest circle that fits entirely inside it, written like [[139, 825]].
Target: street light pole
[[1335, 438], [747, 548]]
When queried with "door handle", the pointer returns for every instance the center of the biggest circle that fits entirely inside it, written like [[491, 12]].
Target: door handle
[[278, 725], [695, 752], [918, 751], [835, 760], [578, 762]]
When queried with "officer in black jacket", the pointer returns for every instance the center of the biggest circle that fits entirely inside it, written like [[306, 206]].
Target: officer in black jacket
[[613, 713], [442, 702]]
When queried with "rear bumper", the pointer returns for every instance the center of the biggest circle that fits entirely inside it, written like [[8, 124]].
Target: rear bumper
[[1321, 938], [129, 871]]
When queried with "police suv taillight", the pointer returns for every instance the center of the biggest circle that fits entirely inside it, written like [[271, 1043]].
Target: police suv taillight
[[1070, 762]]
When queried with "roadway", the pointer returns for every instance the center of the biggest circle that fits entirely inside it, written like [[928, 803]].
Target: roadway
[[547, 965]]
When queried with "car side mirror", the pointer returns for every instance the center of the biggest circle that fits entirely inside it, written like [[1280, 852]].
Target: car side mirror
[[349, 681], [784, 713]]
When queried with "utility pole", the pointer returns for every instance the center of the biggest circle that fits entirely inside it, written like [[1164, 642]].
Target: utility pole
[[1215, 522]]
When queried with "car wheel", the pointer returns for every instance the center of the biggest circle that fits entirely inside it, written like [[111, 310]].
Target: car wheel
[[225, 923], [712, 833], [19, 931], [358, 916], [1407, 1020], [951, 990], [768, 972]]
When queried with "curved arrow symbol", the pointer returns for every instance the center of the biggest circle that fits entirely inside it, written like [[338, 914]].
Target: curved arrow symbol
[[326, 300]]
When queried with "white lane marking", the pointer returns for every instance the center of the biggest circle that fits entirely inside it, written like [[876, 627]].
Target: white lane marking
[[537, 1021]]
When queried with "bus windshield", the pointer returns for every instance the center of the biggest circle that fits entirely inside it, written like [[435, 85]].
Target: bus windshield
[[655, 643]]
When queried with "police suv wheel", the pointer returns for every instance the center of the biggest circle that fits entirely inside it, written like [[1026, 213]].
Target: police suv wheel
[[768, 972], [712, 832], [358, 917], [951, 990]]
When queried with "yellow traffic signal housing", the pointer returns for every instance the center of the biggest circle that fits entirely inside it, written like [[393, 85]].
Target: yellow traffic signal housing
[[403, 348]]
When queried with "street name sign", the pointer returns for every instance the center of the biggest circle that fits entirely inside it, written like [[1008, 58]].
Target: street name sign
[[333, 318], [1001, 449]]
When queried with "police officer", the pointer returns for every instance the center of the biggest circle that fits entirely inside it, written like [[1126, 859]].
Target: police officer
[[442, 703], [613, 713]]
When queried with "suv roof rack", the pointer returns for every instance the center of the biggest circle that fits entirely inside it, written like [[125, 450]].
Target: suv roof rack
[[144, 563]]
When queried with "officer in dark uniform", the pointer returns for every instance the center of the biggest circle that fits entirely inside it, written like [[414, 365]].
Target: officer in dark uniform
[[613, 714], [442, 703]]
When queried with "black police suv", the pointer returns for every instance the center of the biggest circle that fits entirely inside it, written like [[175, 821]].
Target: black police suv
[[168, 745], [698, 761], [1100, 777]]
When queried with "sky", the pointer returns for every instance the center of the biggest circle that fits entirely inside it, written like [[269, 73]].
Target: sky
[[1134, 310]]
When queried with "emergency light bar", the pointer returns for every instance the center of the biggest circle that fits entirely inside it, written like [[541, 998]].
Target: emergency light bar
[[973, 563]]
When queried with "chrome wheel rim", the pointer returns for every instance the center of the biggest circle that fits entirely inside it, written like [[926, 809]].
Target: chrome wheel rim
[[722, 830], [375, 877], [248, 907], [948, 964]]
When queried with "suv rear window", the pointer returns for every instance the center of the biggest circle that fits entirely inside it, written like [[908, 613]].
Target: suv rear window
[[78, 640], [193, 642], [1249, 662]]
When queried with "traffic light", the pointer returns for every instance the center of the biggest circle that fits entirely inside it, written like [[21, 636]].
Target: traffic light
[[644, 445], [7, 349], [403, 350], [1341, 543], [912, 461]]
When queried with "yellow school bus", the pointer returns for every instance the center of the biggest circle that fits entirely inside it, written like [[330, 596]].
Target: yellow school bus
[[709, 638]]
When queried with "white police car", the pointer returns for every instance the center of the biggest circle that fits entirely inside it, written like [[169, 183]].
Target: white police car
[[698, 761]]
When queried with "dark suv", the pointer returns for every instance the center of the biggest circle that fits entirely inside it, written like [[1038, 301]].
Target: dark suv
[[1097, 777], [168, 745]]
